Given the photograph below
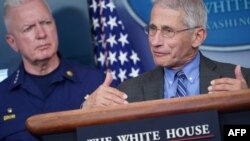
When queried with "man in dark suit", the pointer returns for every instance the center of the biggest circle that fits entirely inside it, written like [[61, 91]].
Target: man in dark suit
[[150, 85], [176, 30]]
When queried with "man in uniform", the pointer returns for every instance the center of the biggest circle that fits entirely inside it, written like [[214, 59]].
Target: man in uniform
[[44, 82]]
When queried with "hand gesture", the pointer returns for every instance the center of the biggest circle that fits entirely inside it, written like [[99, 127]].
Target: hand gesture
[[228, 84], [105, 95]]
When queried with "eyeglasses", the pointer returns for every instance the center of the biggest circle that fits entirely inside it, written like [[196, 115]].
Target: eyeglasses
[[165, 31]]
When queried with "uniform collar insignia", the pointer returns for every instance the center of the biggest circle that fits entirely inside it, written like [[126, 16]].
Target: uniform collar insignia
[[69, 73], [9, 115]]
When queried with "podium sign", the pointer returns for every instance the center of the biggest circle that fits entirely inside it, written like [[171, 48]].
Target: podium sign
[[192, 126]]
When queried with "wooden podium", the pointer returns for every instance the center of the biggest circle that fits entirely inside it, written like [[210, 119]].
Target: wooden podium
[[233, 108]]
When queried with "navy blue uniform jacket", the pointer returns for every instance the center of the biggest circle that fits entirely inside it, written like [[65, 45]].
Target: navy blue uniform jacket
[[20, 98]]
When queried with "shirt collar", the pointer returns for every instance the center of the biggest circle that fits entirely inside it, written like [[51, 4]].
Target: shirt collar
[[65, 72], [191, 71], [18, 78], [169, 75]]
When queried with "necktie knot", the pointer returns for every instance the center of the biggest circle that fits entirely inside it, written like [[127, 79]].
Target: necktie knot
[[181, 75]]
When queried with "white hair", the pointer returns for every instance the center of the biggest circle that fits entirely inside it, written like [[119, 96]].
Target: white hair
[[8, 4], [195, 10]]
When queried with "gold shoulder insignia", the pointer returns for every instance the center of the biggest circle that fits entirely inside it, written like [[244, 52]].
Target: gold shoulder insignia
[[8, 117], [69, 73]]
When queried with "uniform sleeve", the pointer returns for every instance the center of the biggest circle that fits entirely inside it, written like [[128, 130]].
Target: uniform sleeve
[[20, 136]]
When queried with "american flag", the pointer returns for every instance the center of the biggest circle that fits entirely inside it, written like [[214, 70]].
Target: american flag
[[113, 50]]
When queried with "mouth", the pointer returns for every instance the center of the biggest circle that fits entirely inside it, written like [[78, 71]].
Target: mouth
[[43, 46], [160, 54]]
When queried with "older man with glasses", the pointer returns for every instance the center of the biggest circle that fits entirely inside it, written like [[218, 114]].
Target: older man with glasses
[[176, 30]]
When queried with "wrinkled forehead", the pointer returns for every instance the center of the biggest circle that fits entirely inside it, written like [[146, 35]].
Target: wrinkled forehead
[[9, 5], [171, 5], [26, 12], [162, 16]]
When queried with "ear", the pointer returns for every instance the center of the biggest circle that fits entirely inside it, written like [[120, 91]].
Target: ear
[[10, 39], [199, 36]]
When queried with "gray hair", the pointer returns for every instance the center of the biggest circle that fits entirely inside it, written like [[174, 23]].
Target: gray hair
[[8, 4], [195, 10]]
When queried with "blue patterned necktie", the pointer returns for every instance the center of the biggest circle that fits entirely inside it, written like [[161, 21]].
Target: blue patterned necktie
[[181, 88]]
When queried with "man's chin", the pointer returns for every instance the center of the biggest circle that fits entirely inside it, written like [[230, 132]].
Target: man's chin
[[46, 56], [161, 64], [43, 58]]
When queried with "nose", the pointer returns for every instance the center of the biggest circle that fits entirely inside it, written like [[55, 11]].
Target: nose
[[40, 32], [157, 39]]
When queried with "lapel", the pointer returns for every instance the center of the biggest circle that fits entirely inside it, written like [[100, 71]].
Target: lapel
[[153, 88], [207, 73]]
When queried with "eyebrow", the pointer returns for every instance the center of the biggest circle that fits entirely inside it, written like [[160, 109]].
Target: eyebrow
[[162, 26], [40, 20], [165, 26]]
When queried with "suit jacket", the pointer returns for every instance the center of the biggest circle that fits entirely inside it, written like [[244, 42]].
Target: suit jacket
[[150, 85]]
